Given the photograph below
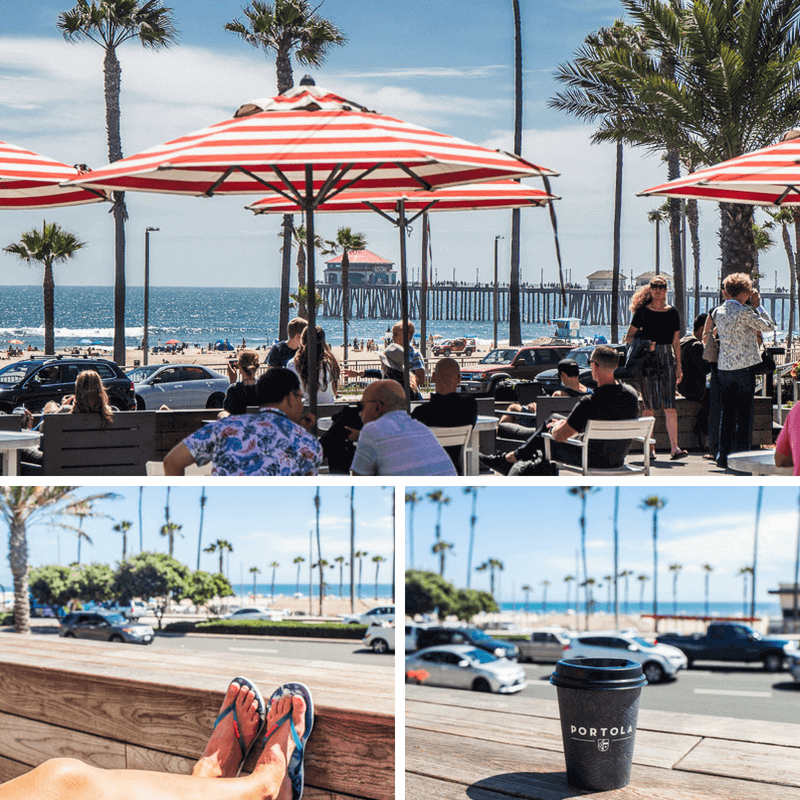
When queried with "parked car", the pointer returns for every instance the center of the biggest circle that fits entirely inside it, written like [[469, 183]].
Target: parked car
[[178, 386], [659, 661], [377, 614], [545, 644], [35, 381], [255, 612], [521, 363], [549, 380], [461, 666], [458, 347], [732, 641], [794, 666], [132, 610], [439, 635], [104, 626], [380, 637]]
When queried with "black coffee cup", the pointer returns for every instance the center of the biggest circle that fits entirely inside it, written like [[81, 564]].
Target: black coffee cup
[[598, 701]]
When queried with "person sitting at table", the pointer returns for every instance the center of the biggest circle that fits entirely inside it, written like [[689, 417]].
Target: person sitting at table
[[787, 446], [391, 443], [611, 400], [283, 727], [242, 393], [275, 441], [446, 407]]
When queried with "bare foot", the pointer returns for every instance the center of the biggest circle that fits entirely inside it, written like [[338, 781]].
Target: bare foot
[[222, 755], [274, 760]]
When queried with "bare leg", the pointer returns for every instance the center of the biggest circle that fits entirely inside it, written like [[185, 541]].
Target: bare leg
[[70, 779], [671, 419]]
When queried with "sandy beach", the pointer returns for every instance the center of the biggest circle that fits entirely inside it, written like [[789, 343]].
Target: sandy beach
[[333, 605]]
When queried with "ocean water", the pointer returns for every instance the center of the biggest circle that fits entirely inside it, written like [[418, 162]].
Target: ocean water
[[288, 589], [197, 316], [692, 608]]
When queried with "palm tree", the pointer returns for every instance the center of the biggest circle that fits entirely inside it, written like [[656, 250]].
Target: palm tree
[[642, 581], [626, 573], [583, 492], [744, 572], [657, 216], [755, 553], [412, 499], [360, 554], [720, 79], [321, 564], [51, 245], [320, 561], [222, 546], [24, 506], [273, 565], [81, 510], [341, 562], [123, 528], [587, 585], [568, 579], [288, 26], [298, 560], [527, 589], [110, 23], [346, 241], [494, 565], [482, 567], [441, 499], [299, 240], [377, 560], [675, 569], [545, 584], [654, 504], [583, 100], [785, 217], [707, 570], [441, 549], [473, 490], [203, 500], [609, 579], [171, 530], [255, 571]]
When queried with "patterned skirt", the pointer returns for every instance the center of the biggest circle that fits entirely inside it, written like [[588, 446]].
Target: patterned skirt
[[657, 383]]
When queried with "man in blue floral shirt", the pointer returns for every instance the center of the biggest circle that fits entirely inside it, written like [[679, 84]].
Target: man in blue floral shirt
[[275, 441]]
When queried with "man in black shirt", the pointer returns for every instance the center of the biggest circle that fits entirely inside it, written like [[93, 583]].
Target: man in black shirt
[[282, 353]]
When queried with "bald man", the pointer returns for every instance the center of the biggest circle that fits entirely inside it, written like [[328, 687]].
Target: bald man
[[447, 408], [391, 443]]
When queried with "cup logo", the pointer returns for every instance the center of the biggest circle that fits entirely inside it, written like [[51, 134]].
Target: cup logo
[[602, 745]]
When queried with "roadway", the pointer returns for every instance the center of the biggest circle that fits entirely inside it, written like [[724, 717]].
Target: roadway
[[723, 690]]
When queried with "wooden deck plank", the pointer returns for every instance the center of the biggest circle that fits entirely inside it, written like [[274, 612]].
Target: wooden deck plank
[[653, 748], [157, 761], [29, 742], [457, 772]]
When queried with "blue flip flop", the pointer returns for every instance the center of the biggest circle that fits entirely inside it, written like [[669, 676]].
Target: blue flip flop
[[262, 716], [295, 769]]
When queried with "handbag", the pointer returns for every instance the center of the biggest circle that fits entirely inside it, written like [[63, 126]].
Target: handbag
[[638, 357], [767, 364], [711, 349]]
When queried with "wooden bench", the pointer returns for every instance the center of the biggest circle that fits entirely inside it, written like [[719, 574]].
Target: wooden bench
[[134, 707]]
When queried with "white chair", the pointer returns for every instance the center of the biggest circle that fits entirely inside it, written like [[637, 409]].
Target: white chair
[[157, 468], [636, 430], [455, 437]]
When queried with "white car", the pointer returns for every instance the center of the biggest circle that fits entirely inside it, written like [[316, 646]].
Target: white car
[[255, 612], [378, 614], [178, 386], [380, 637], [659, 661]]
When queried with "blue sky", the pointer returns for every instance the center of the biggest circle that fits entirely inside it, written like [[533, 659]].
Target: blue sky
[[444, 64], [264, 524], [535, 532]]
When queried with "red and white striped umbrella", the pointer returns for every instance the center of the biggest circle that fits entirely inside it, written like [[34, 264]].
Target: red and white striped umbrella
[[28, 180], [766, 177]]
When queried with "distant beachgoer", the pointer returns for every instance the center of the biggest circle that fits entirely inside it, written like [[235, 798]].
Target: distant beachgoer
[[283, 352], [242, 393]]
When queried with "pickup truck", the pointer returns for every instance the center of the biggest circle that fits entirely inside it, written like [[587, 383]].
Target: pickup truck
[[519, 363], [729, 641]]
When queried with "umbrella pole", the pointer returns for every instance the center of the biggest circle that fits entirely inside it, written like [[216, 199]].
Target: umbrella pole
[[401, 226], [423, 289], [311, 292]]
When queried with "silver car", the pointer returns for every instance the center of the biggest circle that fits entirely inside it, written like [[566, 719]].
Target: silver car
[[462, 666], [794, 666], [104, 627], [178, 386]]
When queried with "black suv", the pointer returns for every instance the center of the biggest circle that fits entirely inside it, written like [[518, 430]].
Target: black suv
[[431, 637], [35, 381]]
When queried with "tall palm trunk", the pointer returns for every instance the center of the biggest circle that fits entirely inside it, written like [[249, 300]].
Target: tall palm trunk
[[615, 265], [48, 301], [18, 558], [345, 296], [693, 219], [285, 76], [302, 309], [112, 74], [678, 271], [787, 246], [514, 324], [736, 238]]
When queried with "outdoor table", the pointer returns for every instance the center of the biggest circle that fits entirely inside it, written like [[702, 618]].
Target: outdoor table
[[484, 423], [10, 443], [757, 462], [464, 745]]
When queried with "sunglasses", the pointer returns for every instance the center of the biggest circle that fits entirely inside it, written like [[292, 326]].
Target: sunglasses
[[660, 286]]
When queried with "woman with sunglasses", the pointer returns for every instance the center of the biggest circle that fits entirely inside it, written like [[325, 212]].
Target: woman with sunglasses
[[659, 323]]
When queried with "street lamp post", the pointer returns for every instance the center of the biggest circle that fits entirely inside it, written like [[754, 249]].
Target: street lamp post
[[145, 340], [496, 279]]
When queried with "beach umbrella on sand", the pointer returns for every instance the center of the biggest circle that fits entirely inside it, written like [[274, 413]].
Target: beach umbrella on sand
[[28, 180], [307, 145], [467, 197], [15, 341]]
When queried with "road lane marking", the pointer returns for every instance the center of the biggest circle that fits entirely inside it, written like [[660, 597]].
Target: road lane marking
[[733, 693], [250, 650]]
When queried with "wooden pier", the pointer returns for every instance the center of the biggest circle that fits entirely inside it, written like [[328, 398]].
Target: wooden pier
[[538, 304]]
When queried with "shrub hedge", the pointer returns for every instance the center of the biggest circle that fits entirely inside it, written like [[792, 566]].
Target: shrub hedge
[[258, 627]]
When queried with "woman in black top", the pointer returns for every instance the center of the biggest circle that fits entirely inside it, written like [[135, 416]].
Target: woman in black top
[[242, 394], [660, 324]]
